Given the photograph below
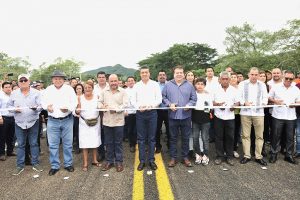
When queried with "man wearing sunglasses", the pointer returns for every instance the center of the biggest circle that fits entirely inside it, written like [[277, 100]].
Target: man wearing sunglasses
[[284, 117], [26, 105]]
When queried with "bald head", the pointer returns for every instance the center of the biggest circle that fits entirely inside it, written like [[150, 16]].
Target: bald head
[[113, 81], [276, 74]]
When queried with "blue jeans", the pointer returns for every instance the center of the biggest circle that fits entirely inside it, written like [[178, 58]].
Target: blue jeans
[[298, 135], [32, 134], [185, 129], [146, 123], [113, 143], [201, 137], [60, 129]]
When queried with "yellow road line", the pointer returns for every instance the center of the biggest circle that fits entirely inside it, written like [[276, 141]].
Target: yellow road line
[[162, 180], [138, 180]]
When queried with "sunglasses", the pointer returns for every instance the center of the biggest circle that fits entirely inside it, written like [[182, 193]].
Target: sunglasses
[[288, 79], [23, 80]]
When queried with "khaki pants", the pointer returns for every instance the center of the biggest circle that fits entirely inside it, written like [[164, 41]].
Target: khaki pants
[[258, 123]]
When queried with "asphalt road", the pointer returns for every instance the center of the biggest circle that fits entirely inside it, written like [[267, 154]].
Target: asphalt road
[[278, 181]]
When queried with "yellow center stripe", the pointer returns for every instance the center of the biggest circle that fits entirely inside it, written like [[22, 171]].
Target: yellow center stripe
[[138, 181], [163, 183]]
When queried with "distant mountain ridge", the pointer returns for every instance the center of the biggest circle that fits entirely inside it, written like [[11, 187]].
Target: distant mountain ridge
[[116, 69]]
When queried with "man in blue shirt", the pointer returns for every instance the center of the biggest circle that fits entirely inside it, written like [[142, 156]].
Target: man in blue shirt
[[26, 105], [179, 93]]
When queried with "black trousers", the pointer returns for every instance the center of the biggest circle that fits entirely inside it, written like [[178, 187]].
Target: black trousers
[[224, 130], [130, 121], [162, 117], [76, 133], [101, 148], [237, 131], [288, 128], [7, 134]]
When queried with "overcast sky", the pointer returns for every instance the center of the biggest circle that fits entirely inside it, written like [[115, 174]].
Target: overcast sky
[[109, 32]]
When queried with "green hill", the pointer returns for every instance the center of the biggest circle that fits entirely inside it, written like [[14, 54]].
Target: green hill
[[116, 69]]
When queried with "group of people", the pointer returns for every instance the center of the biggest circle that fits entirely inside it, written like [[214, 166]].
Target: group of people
[[96, 117]]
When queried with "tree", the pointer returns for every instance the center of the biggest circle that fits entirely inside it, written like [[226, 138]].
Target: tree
[[192, 56]]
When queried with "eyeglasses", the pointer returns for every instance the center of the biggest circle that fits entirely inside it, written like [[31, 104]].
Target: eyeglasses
[[23, 80], [288, 79]]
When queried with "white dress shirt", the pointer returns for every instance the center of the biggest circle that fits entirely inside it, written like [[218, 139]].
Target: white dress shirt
[[288, 95], [148, 94], [4, 99], [63, 97], [212, 85], [131, 99], [230, 97], [97, 89], [252, 97]]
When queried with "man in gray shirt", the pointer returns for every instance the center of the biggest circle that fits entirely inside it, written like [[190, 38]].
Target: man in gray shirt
[[25, 103]]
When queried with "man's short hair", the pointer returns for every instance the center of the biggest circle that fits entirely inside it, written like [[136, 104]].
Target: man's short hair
[[163, 71], [101, 72], [130, 77], [201, 80], [5, 83], [178, 67], [144, 67], [288, 72], [254, 69], [224, 73], [209, 68]]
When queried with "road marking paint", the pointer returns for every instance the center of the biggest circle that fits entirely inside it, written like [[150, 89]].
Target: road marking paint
[[162, 180], [138, 180]]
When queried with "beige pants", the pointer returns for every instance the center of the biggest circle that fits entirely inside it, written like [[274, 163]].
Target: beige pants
[[258, 123]]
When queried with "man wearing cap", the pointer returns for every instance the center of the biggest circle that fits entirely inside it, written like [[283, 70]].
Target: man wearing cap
[[26, 105], [60, 101]]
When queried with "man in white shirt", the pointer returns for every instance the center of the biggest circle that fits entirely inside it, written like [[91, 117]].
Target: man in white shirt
[[212, 82], [253, 93], [284, 94], [130, 115], [225, 95], [98, 89], [7, 131], [148, 96], [276, 78], [60, 101]]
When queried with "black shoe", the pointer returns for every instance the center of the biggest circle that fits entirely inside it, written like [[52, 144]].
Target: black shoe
[[141, 166], [290, 159], [53, 172], [153, 166], [297, 155], [230, 161], [245, 160], [273, 158], [11, 154], [261, 162], [70, 168], [158, 150]]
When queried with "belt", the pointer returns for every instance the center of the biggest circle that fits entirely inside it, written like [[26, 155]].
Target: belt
[[8, 116], [60, 118]]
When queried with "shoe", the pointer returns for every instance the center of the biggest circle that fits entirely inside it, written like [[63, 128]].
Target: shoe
[[11, 154], [273, 158], [153, 166], [37, 168], [187, 163], [205, 160], [53, 172], [245, 160], [261, 162], [107, 166], [290, 159], [236, 154], [18, 171], [218, 161], [158, 150], [172, 163], [70, 168], [2, 158], [132, 149], [230, 161], [119, 167], [297, 155], [96, 164], [141, 166], [198, 160], [191, 154]]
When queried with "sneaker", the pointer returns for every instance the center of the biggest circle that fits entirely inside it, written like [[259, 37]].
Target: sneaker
[[218, 161], [18, 171], [198, 160], [205, 160], [37, 168], [236, 154]]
